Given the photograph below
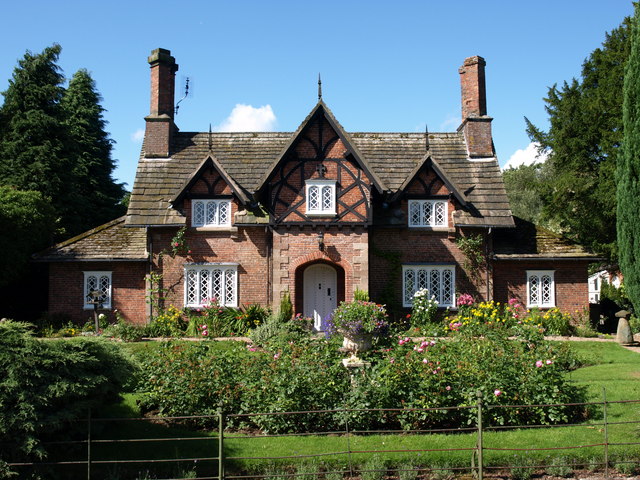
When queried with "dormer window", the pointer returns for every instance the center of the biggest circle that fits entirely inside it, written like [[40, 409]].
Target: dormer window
[[428, 213], [321, 197], [211, 213]]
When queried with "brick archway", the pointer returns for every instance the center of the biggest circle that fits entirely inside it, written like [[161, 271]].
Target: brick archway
[[343, 270]]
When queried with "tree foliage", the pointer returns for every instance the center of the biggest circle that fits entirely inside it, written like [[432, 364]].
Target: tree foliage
[[52, 143], [52, 140], [27, 220], [44, 385], [628, 172], [95, 197], [583, 142], [524, 185]]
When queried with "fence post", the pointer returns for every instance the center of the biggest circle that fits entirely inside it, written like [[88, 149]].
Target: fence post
[[606, 433], [346, 427], [479, 445], [89, 445], [220, 443]]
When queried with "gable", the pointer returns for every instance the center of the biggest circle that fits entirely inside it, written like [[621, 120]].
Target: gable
[[320, 157]]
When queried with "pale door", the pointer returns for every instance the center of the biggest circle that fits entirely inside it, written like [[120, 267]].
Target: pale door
[[320, 289]]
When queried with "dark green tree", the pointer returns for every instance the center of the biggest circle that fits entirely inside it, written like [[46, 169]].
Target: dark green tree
[[583, 141], [32, 135], [628, 172], [95, 198], [27, 221]]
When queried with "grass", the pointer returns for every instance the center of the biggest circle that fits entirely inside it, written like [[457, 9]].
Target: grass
[[609, 366]]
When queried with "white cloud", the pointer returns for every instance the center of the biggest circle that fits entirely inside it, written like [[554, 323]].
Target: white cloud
[[138, 135], [246, 118], [526, 156], [451, 122]]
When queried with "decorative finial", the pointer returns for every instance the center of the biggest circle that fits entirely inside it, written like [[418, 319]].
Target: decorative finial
[[210, 139], [426, 136], [319, 88]]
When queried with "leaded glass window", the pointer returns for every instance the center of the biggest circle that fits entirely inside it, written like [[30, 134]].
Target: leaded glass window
[[211, 213], [203, 283], [438, 279], [541, 289], [97, 282], [321, 195], [428, 213]]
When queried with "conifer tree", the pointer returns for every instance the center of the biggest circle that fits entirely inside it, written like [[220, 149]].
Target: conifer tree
[[95, 196], [628, 173], [583, 142], [32, 135]]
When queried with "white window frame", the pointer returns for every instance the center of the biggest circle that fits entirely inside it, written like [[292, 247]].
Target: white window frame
[[226, 292], [432, 206], [99, 277], [440, 280], [535, 287], [322, 186], [206, 205]]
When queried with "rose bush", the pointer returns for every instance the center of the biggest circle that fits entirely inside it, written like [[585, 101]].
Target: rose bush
[[308, 375]]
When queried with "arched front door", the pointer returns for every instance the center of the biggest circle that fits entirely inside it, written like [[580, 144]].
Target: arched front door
[[320, 293]]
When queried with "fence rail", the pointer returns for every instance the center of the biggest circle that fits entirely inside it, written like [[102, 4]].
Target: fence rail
[[208, 454]]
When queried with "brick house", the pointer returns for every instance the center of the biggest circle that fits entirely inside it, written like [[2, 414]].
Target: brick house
[[318, 213]]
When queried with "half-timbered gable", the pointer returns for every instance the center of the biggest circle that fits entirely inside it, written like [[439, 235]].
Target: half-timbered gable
[[317, 213], [320, 178]]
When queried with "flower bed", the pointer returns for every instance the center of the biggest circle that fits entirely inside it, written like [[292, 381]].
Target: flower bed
[[308, 375]]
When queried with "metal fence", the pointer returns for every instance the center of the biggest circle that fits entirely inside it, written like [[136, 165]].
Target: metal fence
[[170, 447]]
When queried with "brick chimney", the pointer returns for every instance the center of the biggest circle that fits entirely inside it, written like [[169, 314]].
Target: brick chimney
[[476, 125], [160, 126]]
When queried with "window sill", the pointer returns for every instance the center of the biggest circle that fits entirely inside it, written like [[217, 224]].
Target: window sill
[[103, 307], [541, 307], [321, 214], [225, 228], [429, 229]]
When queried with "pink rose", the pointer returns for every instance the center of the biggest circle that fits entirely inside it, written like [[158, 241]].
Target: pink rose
[[497, 392], [539, 363]]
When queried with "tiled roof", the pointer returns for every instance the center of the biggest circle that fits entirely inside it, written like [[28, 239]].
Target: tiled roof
[[111, 241], [530, 241], [246, 157]]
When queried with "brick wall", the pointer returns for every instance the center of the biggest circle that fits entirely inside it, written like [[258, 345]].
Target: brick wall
[[296, 248], [570, 278], [66, 289], [417, 246], [245, 246]]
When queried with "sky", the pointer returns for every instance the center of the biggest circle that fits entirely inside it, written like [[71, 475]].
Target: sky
[[253, 65]]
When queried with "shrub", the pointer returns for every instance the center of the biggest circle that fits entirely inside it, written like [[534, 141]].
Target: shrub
[[360, 295], [168, 323], [44, 385], [276, 331], [213, 320], [125, 331], [554, 321], [559, 467], [195, 379], [305, 374], [286, 308], [424, 308]]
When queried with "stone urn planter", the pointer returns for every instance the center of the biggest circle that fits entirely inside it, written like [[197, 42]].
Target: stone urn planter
[[358, 343]]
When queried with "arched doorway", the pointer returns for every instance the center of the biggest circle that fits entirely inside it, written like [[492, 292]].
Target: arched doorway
[[320, 287]]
